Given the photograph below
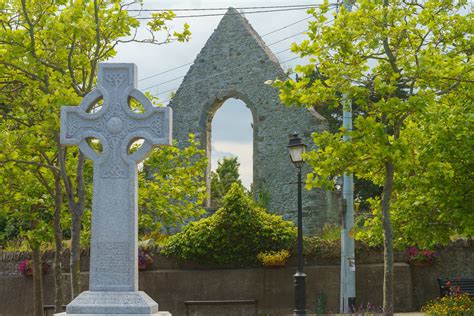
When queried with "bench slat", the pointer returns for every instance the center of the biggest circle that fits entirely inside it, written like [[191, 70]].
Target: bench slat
[[465, 285]]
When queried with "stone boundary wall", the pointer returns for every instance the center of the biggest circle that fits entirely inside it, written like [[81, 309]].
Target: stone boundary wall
[[172, 283]]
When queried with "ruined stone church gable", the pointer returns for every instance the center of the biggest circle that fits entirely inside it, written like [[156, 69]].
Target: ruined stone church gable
[[235, 63]]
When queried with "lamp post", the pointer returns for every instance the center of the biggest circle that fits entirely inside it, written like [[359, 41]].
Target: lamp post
[[296, 149]]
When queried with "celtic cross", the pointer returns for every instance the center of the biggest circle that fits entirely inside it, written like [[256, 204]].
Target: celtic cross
[[114, 233]]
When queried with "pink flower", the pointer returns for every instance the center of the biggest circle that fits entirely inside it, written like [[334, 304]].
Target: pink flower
[[24, 267]]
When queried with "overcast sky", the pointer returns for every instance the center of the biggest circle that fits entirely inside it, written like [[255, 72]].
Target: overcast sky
[[231, 129]]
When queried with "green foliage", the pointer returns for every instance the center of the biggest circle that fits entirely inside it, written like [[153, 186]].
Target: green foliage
[[25, 206], [226, 174], [407, 69], [171, 186], [434, 187], [452, 305], [235, 234], [49, 53]]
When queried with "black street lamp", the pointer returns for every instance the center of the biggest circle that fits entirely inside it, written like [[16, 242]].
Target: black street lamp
[[297, 149]]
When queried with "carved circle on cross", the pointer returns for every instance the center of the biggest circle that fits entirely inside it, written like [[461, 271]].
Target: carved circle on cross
[[115, 125], [118, 125]]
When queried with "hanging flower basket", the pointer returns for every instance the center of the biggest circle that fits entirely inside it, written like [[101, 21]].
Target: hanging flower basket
[[421, 258]]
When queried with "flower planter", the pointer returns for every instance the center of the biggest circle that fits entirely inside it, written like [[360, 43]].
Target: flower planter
[[275, 265]]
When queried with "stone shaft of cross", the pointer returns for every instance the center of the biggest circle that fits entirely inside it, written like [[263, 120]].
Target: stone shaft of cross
[[114, 235]]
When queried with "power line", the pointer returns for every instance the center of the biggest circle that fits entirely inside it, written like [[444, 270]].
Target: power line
[[225, 71], [266, 34], [284, 39], [166, 71], [237, 13], [200, 80], [221, 9], [180, 77], [287, 26]]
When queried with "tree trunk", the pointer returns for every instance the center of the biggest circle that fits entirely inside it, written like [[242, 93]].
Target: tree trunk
[[37, 281], [388, 295], [58, 237], [74, 263], [77, 210]]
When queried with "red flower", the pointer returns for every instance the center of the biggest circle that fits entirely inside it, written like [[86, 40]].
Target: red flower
[[412, 251]]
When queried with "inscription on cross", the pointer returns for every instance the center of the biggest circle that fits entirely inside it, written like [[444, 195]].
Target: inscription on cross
[[114, 233]]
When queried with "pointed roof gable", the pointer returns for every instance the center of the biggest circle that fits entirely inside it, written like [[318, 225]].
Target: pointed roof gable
[[237, 41], [234, 17]]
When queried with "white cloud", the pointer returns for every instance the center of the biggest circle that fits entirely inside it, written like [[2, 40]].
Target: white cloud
[[244, 154]]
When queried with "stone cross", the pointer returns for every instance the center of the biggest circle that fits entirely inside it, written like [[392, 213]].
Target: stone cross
[[114, 235]]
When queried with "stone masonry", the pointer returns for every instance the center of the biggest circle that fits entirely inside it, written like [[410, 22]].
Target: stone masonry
[[236, 63]]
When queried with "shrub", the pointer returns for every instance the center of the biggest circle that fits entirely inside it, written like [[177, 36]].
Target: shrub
[[452, 305], [318, 247], [327, 244], [236, 233]]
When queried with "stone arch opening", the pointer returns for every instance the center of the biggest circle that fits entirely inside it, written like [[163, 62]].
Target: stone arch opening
[[233, 100], [236, 63]]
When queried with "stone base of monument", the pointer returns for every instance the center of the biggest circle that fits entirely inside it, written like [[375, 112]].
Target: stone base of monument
[[101, 303]]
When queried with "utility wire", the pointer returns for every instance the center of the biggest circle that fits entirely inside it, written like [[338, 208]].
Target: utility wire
[[166, 71], [221, 9], [237, 13], [284, 39], [177, 78], [160, 73], [200, 80], [266, 34], [287, 26], [225, 71]]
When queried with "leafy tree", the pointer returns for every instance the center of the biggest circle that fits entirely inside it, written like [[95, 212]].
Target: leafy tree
[[432, 196], [226, 174], [171, 186], [49, 51], [394, 60]]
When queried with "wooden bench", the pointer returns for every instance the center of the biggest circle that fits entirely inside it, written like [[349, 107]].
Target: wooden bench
[[219, 303], [465, 286]]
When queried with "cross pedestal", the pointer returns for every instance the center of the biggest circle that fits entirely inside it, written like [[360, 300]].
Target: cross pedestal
[[113, 276]]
